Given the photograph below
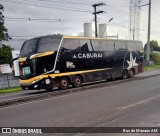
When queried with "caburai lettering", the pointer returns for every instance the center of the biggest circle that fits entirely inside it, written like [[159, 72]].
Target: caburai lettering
[[88, 55]]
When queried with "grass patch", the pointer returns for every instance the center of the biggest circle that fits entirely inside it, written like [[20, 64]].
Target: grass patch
[[11, 89], [151, 67]]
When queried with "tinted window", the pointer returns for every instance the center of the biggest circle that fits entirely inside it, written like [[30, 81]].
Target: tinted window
[[49, 43], [108, 46], [77, 45], [72, 44], [86, 45], [28, 47], [137, 46], [97, 44], [122, 45], [129, 45], [104, 45]]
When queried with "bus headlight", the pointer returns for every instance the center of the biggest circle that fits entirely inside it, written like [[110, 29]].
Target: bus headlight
[[35, 81]]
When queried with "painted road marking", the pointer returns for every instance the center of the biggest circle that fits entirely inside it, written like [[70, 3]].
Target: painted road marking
[[138, 103]]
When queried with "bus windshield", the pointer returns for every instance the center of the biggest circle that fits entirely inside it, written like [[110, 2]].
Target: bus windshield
[[42, 44], [49, 43], [28, 47]]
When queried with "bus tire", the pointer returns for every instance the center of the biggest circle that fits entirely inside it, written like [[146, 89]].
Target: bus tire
[[131, 73], [63, 83], [77, 81], [124, 74]]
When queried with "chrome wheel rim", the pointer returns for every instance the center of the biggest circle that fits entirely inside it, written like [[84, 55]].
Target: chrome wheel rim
[[64, 83]]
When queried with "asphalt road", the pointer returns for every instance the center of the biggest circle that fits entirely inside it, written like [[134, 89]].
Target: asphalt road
[[131, 104]]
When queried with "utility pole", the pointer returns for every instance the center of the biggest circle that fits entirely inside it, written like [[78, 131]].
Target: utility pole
[[149, 32], [95, 14]]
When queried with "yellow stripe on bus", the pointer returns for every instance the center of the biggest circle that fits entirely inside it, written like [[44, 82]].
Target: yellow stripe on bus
[[86, 38], [29, 81], [42, 54], [37, 56], [22, 59]]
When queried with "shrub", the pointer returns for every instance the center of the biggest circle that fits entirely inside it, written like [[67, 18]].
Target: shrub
[[155, 57]]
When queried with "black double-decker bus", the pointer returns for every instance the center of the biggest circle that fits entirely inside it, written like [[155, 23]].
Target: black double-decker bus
[[59, 61]]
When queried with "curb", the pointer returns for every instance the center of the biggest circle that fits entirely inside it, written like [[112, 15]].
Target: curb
[[73, 90]]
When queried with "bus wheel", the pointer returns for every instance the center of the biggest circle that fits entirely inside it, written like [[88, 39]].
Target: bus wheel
[[77, 81], [124, 74], [64, 83], [131, 73]]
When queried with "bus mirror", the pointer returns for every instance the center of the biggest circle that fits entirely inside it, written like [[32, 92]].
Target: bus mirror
[[10, 63]]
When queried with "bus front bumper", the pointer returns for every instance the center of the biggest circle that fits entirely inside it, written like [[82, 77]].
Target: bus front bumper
[[37, 85]]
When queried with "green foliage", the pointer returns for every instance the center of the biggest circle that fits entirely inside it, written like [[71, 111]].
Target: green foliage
[[5, 54], [3, 30], [5, 51], [155, 57], [153, 44]]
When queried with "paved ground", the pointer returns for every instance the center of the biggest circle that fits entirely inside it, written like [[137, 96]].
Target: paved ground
[[132, 104], [150, 72]]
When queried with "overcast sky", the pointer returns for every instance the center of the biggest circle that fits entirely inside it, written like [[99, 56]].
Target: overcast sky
[[32, 18]]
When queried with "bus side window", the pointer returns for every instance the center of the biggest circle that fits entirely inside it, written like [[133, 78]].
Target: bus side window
[[71, 45], [96, 45], [85, 45], [123, 46], [110, 45], [106, 45]]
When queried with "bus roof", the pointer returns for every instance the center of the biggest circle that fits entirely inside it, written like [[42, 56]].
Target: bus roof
[[94, 38], [86, 38]]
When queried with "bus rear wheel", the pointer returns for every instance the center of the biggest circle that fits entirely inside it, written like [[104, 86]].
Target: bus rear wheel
[[124, 74], [131, 73], [77, 81], [64, 83]]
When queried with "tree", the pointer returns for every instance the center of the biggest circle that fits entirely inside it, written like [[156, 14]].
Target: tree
[[5, 50], [3, 30], [153, 44], [5, 54]]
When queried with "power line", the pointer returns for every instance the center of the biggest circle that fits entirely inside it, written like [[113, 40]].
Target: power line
[[68, 2], [157, 2], [152, 17], [47, 19], [47, 6], [29, 19], [49, 2], [117, 10], [155, 12], [117, 6]]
